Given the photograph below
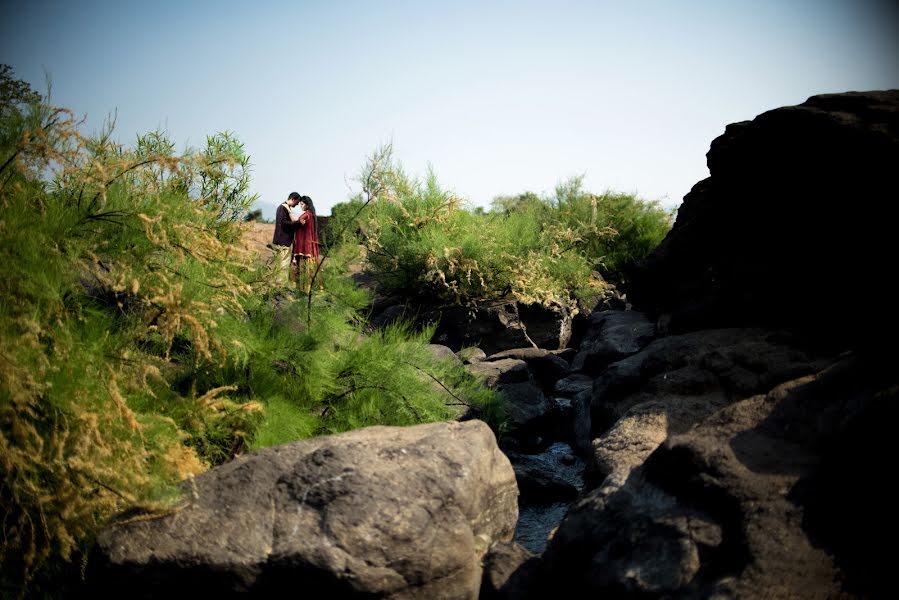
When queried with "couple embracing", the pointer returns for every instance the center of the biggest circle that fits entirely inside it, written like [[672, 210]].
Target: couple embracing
[[295, 241]]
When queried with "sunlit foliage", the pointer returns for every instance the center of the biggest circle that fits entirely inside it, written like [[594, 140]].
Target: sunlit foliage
[[142, 342]]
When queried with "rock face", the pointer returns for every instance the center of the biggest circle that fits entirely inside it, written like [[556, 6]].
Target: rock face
[[727, 363], [798, 213], [751, 502], [500, 325], [745, 451], [377, 512]]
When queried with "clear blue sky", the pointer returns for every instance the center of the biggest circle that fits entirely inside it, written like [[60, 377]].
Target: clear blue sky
[[499, 97]]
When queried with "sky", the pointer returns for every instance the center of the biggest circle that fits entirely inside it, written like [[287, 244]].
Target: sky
[[498, 98]]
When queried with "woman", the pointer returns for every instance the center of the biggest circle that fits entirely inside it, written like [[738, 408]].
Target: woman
[[305, 243]]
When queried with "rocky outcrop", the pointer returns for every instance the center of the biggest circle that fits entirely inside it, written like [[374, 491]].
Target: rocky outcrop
[[796, 217], [738, 506], [381, 512], [729, 363], [492, 327], [546, 366], [743, 452], [501, 371]]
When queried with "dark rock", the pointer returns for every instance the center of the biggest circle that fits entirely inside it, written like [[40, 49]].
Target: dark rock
[[794, 208], [537, 486], [443, 353], [471, 355], [387, 316], [636, 435], [548, 370], [382, 303], [582, 422], [737, 362], [627, 542], [546, 366], [493, 326], [547, 327], [525, 354], [776, 495], [508, 572], [499, 325], [554, 475], [387, 512], [566, 354], [611, 336], [529, 413], [572, 385], [735, 456], [500, 372]]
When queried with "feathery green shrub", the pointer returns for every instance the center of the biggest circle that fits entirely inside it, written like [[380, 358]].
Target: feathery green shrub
[[421, 241], [142, 342]]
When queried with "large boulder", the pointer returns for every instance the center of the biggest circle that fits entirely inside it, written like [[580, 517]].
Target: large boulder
[[379, 512], [780, 495], [797, 215], [509, 572], [500, 372]]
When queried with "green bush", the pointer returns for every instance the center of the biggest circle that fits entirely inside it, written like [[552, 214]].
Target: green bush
[[422, 242], [634, 226], [142, 342]]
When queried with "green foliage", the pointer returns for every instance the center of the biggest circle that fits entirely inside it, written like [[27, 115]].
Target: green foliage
[[421, 241], [15, 93], [255, 215], [346, 221], [636, 226], [142, 343]]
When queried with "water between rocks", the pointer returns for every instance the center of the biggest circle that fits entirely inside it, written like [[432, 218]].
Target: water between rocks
[[548, 482]]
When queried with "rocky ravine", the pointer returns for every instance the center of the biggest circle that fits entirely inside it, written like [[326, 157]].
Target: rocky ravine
[[735, 424]]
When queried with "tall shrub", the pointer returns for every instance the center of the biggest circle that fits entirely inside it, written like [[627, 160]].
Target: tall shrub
[[421, 241], [631, 227], [142, 342]]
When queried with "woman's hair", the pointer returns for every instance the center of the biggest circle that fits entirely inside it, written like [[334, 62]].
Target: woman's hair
[[308, 201]]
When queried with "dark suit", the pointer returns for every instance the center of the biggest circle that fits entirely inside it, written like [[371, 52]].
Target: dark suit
[[284, 227]]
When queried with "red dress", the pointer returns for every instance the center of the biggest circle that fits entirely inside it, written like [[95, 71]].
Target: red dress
[[305, 238]]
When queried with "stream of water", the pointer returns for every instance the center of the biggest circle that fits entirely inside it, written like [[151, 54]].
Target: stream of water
[[536, 520]]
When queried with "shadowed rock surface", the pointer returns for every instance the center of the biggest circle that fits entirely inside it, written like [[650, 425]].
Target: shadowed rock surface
[[799, 212], [386, 512], [745, 452], [610, 336]]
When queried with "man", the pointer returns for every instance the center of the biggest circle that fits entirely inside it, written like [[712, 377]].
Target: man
[[283, 239]]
